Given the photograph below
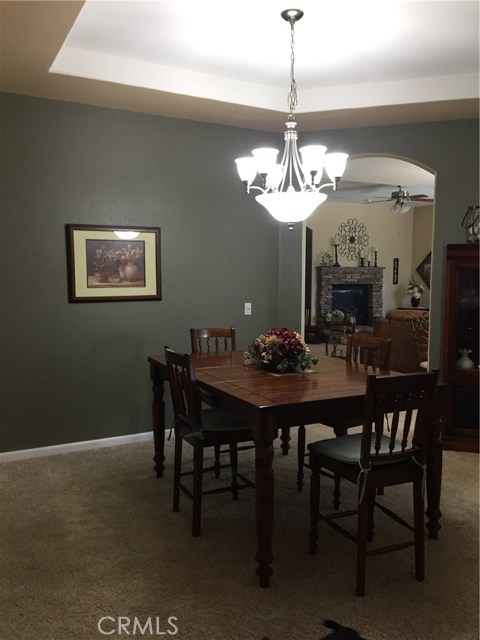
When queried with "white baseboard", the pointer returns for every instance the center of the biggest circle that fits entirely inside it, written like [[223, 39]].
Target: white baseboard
[[70, 447]]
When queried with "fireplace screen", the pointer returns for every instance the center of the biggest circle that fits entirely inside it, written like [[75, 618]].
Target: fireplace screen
[[353, 298]]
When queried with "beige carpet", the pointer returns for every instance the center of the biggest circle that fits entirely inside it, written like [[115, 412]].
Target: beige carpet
[[92, 534]]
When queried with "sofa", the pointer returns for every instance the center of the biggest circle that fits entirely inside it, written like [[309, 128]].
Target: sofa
[[408, 330]]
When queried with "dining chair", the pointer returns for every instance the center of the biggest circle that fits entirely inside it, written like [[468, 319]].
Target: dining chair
[[214, 340], [421, 329], [372, 459], [200, 428], [362, 350]]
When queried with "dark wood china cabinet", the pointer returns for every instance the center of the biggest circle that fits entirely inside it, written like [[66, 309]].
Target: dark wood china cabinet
[[460, 364]]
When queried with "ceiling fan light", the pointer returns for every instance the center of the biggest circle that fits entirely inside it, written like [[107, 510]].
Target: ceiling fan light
[[291, 206], [400, 207]]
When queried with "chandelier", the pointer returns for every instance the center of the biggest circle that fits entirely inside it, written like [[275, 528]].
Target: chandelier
[[291, 190]]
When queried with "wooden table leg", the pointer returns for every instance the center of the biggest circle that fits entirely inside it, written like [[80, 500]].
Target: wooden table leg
[[285, 440], [158, 420], [264, 492], [434, 471]]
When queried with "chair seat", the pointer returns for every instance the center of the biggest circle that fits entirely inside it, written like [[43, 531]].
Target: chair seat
[[217, 426], [216, 420], [347, 448]]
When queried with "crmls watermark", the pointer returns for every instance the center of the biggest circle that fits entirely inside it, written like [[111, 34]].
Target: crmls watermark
[[123, 625]]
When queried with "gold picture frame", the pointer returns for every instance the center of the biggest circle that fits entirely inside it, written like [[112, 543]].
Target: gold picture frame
[[113, 263]]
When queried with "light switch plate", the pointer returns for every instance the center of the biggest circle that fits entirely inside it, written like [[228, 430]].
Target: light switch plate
[[248, 309]]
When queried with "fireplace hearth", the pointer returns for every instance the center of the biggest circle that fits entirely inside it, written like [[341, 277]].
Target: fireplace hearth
[[350, 281]]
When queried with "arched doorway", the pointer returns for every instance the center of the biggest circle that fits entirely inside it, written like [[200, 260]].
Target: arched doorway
[[403, 240]]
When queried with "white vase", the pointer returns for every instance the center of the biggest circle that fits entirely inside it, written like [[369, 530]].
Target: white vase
[[464, 361]]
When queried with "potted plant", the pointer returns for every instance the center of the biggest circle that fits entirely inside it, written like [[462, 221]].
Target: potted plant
[[415, 291], [281, 350], [99, 263]]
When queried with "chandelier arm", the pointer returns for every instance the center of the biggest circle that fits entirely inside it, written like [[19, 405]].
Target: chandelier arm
[[256, 187], [284, 163], [297, 167], [327, 184]]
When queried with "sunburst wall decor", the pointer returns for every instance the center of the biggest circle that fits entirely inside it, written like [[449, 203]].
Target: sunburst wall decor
[[352, 238]]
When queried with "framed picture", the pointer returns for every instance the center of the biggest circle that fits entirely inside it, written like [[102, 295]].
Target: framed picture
[[424, 268], [107, 264]]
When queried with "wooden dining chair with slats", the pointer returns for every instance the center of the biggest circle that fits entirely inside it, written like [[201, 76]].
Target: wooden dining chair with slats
[[377, 458], [421, 329], [214, 340], [200, 428], [362, 350]]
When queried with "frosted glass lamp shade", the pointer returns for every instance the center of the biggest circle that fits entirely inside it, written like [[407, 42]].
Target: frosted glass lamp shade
[[291, 206], [265, 159], [400, 207], [335, 164], [274, 176], [247, 169], [313, 157]]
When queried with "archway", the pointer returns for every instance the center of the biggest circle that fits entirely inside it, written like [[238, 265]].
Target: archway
[[405, 237]]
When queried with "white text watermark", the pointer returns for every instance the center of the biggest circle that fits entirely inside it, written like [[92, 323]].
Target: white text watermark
[[124, 625]]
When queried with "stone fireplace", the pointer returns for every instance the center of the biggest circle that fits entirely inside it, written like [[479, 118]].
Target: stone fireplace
[[372, 277]]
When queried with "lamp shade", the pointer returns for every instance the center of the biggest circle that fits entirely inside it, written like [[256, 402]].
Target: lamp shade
[[313, 157], [335, 164], [265, 159], [291, 206], [247, 169], [400, 207]]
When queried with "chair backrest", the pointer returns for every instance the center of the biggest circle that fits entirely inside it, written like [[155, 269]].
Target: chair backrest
[[371, 351], [408, 398], [183, 388], [213, 339], [420, 328]]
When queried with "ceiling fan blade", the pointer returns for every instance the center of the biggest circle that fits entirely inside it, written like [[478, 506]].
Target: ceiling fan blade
[[421, 198]]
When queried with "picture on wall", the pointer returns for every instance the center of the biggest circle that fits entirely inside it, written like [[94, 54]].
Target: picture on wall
[[395, 271], [424, 268], [109, 263]]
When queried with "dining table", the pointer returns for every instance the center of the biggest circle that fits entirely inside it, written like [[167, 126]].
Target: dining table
[[272, 403]]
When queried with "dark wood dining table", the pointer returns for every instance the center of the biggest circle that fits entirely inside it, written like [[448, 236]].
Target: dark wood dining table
[[271, 402]]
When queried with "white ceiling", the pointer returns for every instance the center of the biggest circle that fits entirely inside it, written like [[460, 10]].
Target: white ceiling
[[228, 62], [360, 54]]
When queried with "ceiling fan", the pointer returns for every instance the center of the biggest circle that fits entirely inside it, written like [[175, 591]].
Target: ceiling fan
[[401, 197]]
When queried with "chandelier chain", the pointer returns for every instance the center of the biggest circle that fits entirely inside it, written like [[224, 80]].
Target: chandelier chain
[[292, 94]]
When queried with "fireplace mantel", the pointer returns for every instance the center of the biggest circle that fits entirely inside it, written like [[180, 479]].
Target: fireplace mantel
[[371, 276]]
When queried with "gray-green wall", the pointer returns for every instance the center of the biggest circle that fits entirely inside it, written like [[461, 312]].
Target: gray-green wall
[[73, 372]]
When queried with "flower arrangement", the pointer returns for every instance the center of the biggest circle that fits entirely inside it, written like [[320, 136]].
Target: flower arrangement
[[334, 317], [281, 350], [415, 289]]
